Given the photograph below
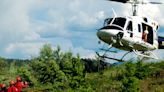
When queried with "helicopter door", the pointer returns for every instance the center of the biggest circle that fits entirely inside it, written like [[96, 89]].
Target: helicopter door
[[139, 28], [130, 28], [149, 34], [139, 31]]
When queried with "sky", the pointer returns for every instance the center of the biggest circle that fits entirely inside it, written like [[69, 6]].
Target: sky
[[26, 25]]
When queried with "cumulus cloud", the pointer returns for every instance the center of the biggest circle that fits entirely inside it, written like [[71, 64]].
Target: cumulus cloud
[[23, 50]]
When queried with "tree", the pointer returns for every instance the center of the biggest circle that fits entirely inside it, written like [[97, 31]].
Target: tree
[[143, 70], [46, 52], [129, 82], [45, 67], [73, 69], [3, 64], [62, 70]]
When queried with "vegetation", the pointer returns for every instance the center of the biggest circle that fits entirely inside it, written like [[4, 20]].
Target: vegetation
[[56, 71]]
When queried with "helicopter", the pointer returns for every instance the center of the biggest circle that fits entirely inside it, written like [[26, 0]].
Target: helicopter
[[134, 33]]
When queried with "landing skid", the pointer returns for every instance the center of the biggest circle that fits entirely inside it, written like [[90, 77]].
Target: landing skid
[[142, 55], [147, 54], [104, 56]]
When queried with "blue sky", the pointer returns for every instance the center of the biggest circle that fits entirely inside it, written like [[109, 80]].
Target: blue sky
[[25, 25]]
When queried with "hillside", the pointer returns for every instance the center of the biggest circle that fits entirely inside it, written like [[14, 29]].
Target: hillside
[[56, 71]]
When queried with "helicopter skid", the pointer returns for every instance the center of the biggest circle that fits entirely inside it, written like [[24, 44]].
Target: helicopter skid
[[147, 54], [143, 46]]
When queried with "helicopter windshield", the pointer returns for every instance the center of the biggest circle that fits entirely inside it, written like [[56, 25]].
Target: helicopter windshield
[[117, 21]]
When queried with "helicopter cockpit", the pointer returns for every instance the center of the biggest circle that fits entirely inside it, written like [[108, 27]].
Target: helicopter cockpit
[[119, 22], [113, 27]]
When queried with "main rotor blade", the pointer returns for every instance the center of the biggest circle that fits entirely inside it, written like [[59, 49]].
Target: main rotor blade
[[155, 2], [130, 1], [121, 1]]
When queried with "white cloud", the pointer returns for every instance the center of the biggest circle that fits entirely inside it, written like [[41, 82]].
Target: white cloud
[[15, 24], [23, 50], [84, 53]]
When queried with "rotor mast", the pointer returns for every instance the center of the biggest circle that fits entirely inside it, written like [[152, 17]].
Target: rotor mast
[[135, 4], [135, 7]]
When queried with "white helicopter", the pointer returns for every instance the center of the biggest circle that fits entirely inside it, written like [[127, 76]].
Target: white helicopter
[[133, 34]]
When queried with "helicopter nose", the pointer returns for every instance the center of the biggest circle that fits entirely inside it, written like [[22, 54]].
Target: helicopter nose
[[106, 33]]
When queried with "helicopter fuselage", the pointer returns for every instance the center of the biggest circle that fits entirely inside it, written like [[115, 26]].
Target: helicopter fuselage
[[127, 33]]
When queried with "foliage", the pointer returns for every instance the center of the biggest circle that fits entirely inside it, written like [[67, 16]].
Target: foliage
[[24, 72], [46, 53], [134, 72], [94, 65], [2, 63], [142, 71], [130, 84], [57, 71], [67, 72]]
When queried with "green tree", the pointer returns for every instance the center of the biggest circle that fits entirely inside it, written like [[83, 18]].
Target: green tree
[[142, 71], [3, 64], [58, 55], [46, 53], [25, 73], [46, 68], [62, 70], [130, 84], [73, 69]]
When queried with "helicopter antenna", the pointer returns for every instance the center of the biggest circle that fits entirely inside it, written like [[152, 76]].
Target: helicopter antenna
[[115, 15]]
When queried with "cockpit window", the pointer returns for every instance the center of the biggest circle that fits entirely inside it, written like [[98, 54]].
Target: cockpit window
[[107, 21], [129, 27], [117, 21]]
